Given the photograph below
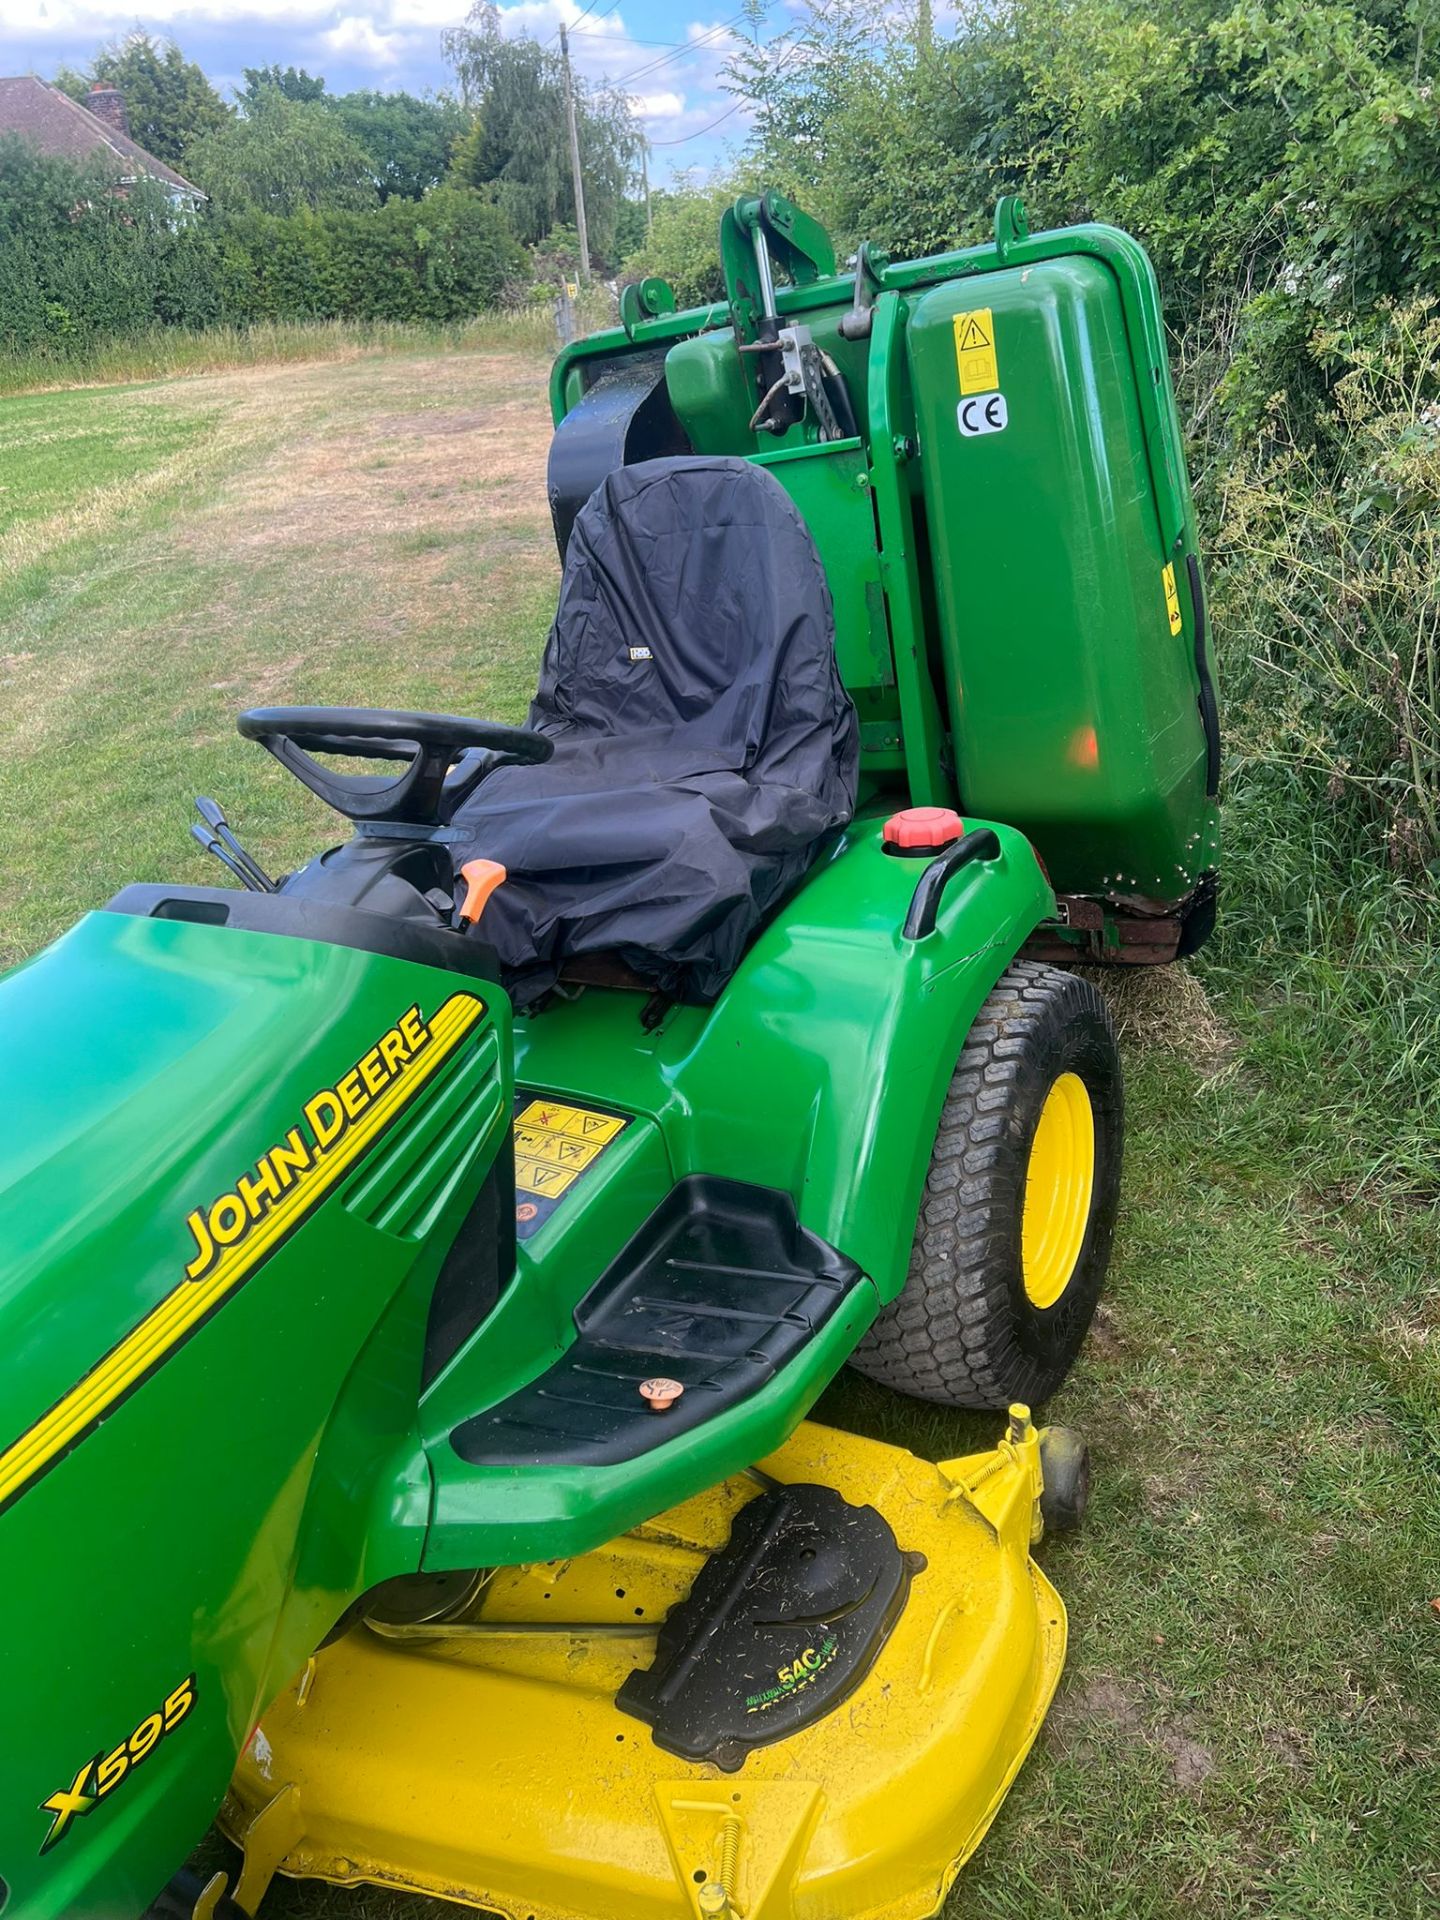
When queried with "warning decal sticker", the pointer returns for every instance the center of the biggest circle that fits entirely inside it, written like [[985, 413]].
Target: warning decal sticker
[[555, 1144], [975, 351], [1172, 597]]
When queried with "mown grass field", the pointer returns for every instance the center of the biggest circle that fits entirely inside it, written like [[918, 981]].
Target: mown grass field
[[1250, 1721]]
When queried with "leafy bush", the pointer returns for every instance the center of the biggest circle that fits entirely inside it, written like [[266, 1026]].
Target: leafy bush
[[408, 140], [684, 248], [1331, 564], [79, 261], [282, 155]]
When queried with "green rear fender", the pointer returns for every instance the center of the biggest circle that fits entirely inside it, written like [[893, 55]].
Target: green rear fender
[[831, 1055], [820, 1072], [823, 1067]]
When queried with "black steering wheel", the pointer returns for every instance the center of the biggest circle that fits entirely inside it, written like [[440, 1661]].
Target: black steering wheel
[[427, 793]]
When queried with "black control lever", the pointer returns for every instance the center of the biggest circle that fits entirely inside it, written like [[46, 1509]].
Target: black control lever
[[222, 853], [240, 863]]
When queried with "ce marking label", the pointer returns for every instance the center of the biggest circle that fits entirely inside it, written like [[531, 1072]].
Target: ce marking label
[[983, 413]]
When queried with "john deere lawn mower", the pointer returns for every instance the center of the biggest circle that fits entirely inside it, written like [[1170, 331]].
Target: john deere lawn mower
[[416, 1271]]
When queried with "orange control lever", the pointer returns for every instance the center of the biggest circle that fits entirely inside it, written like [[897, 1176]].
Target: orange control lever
[[481, 878]]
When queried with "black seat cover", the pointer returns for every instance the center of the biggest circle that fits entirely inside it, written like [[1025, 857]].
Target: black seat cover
[[704, 743]]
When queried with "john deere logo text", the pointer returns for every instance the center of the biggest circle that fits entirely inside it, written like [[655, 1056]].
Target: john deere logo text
[[232, 1237], [99, 1778], [329, 1116]]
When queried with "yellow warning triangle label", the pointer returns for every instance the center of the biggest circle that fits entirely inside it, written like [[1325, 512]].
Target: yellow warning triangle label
[[975, 355]]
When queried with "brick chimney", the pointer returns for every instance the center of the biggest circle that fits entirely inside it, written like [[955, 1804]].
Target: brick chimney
[[108, 104]]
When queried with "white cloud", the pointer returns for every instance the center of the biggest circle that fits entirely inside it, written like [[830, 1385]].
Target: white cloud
[[657, 106], [357, 36], [425, 13], [103, 19]]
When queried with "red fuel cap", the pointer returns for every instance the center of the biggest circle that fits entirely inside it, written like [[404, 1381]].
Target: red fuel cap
[[921, 828]]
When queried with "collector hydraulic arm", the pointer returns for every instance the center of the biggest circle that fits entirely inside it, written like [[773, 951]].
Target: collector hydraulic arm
[[756, 234]]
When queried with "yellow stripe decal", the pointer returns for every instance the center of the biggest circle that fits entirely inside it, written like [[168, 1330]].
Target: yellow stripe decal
[[177, 1315]]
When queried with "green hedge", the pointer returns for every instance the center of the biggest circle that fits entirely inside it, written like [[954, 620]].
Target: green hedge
[[81, 263], [434, 259]]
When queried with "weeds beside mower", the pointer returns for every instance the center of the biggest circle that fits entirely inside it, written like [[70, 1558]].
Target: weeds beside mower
[[418, 1269]]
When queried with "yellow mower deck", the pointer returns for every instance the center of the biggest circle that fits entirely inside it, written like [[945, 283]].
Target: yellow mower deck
[[485, 1761]]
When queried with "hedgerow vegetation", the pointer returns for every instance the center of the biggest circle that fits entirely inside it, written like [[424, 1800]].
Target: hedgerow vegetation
[[80, 265]]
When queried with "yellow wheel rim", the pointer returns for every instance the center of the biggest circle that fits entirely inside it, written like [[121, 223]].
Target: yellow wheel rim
[[1059, 1186]]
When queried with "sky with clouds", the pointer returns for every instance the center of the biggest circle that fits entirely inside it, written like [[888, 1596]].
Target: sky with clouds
[[667, 54]]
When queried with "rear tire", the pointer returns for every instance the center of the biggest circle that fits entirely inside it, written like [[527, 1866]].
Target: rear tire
[[996, 1306]]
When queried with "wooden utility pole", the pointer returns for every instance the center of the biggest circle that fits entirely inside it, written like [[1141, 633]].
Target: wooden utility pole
[[580, 227], [645, 176]]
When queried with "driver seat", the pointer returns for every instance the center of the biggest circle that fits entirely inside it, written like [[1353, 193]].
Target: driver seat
[[704, 741]]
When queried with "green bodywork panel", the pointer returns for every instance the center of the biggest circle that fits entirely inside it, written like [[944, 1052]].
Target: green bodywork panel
[[830, 484], [1052, 609], [281, 1458]]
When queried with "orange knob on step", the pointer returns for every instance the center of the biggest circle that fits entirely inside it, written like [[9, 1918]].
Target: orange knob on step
[[660, 1394], [481, 878]]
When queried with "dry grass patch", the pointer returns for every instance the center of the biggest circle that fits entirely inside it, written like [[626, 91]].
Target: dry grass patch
[[367, 490], [1165, 1007]]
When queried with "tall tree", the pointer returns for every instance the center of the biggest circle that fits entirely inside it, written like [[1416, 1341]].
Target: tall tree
[[282, 155], [169, 101], [294, 82], [517, 149], [408, 139]]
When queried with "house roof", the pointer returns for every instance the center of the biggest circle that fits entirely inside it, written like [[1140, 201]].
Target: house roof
[[58, 125]]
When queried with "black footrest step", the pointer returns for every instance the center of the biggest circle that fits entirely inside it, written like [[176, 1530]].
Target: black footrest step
[[718, 1290], [780, 1626]]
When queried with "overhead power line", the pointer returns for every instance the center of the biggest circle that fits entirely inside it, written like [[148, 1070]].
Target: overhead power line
[[624, 39], [688, 46], [686, 138], [675, 48], [574, 25]]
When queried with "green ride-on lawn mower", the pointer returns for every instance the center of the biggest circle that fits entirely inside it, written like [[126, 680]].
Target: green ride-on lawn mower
[[416, 1272]]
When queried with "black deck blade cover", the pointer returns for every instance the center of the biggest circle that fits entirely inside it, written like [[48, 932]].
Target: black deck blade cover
[[782, 1623]]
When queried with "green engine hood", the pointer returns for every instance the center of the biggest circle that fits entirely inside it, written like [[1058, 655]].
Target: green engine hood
[[230, 1164]]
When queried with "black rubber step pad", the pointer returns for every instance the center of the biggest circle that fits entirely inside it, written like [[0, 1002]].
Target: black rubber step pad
[[719, 1289]]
